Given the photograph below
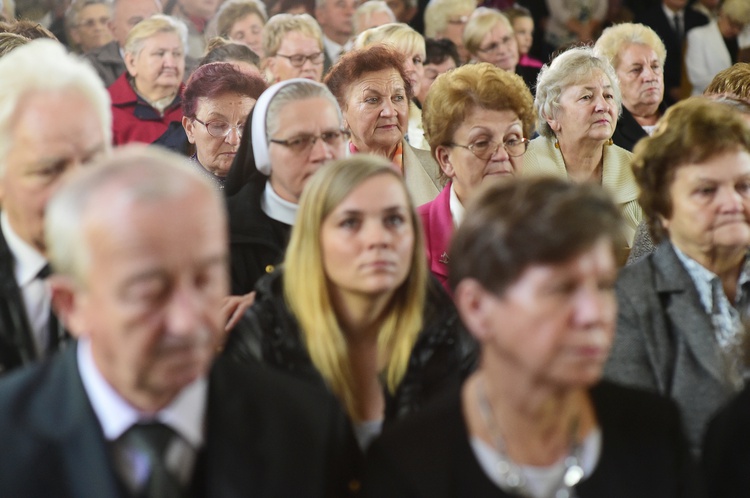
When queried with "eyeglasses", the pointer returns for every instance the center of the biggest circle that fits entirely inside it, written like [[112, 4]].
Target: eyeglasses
[[299, 59], [303, 143], [90, 23], [485, 149], [494, 46], [220, 129], [459, 20]]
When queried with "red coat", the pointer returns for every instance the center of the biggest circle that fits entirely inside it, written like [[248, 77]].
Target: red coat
[[133, 119]]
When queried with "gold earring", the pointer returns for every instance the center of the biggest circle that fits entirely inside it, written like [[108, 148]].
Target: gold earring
[[557, 144], [609, 142]]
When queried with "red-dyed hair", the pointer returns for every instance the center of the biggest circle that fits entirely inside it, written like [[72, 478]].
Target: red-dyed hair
[[215, 79]]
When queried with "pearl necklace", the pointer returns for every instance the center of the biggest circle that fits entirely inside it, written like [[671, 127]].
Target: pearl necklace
[[509, 473]]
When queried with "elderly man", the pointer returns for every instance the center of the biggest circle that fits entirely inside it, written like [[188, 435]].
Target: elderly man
[[336, 20], [86, 22], [54, 116], [108, 60], [136, 408]]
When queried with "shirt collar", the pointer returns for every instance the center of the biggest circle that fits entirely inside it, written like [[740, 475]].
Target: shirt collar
[[333, 49], [185, 414], [277, 208], [670, 13], [457, 209], [28, 261]]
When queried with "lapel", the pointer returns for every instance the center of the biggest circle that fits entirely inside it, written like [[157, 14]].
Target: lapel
[[685, 311], [15, 332], [419, 182], [66, 419], [439, 229]]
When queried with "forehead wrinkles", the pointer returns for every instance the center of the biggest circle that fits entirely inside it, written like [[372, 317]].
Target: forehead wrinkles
[[388, 85]]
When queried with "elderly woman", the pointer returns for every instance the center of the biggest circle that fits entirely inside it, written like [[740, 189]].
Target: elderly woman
[[533, 282], [215, 105], [411, 45], [637, 54], [373, 90], [242, 21], [682, 308], [578, 101], [292, 48], [489, 37], [713, 47], [87, 22], [296, 128], [354, 309], [447, 19], [146, 98], [478, 120], [240, 55]]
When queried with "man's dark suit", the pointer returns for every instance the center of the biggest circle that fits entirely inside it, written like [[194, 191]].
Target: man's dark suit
[[16, 340], [266, 436], [107, 62], [656, 19]]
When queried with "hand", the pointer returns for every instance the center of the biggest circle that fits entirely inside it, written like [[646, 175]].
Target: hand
[[234, 307]]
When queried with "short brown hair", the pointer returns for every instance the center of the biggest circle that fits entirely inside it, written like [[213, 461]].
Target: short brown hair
[[353, 65], [734, 81], [457, 93], [691, 131], [510, 226]]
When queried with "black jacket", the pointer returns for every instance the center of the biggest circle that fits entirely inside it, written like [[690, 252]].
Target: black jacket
[[628, 132], [443, 355], [257, 242]]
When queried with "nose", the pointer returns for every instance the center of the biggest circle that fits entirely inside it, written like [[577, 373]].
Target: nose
[[169, 59], [376, 235], [321, 151], [600, 103], [388, 108], [233, 137], [183, 318], [500, 154], [731, 201], [592, 306]]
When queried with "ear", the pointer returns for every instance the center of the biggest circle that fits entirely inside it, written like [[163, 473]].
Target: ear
[[474, 304], [189, 126], [442, 154], [552, 122], [67, 303], [664, 221], [269, 69], [130, 64]]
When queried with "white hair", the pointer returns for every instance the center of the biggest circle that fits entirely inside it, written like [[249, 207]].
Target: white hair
[[44, 66], [137, 174]]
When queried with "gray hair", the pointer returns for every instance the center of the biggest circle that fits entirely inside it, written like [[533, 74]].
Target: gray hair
[[158, 23], [437, 12], [567, 69], [293, 93], [615, 38], [368, 8], [42, 66], [140, 174]]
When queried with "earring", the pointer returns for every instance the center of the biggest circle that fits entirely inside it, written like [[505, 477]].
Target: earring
[[609, 142], [557, 144]]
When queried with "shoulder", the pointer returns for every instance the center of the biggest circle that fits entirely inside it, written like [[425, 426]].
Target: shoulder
[[543, 159], [121, 93]]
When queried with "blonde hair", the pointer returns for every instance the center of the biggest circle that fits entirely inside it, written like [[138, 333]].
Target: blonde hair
[[367, 9], [437, 12], [281, 24], [737, 10], [400, 36], [158, 23], [306, 284], [615, 38], [480, 23]]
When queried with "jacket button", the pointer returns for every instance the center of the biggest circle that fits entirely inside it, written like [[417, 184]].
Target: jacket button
[[269, 268]]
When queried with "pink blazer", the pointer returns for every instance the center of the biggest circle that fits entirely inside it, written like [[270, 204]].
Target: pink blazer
[[438, 229]]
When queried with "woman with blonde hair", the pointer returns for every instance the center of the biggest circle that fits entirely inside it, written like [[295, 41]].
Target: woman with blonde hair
[[292, 48], [353, 309]]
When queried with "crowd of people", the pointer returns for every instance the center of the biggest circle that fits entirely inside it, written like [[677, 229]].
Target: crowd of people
[[402, 248]]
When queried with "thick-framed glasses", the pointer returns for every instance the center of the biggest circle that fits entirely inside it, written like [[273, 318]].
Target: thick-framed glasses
[[485, 149], [303, 143], [299, 59], [495, 46], [220, 129]]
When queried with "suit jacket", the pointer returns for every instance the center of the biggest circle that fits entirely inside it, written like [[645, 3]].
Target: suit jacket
[[16, 340], [665, 340], [657, 20], [421, 174], [437, 223], [107, 62], [706, 55], [643, 453], [266, 436]]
